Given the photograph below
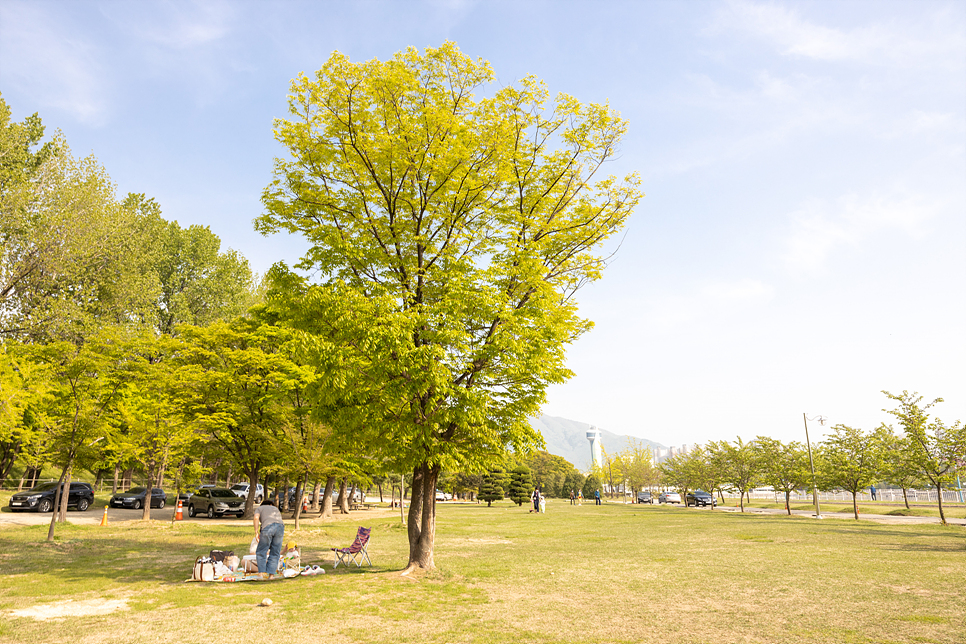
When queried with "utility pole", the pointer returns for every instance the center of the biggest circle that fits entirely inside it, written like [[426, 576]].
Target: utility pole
[[811, 463]]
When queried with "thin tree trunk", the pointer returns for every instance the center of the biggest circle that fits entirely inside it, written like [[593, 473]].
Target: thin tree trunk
[[741, 499], [905, 497], [252, 493], [379, 485], [65, 494], [298, 498], [939, 495], [58, 499], [788, 502], [855, 506], [149, 494], [284, 506]]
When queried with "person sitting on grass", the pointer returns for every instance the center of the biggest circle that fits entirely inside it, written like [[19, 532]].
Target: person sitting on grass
[[269, 531]]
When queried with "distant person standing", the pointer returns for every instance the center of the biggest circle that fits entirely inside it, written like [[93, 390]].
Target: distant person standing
[[535, 499], [872, 492], [543, 504], [269, 530], [580, 497], [596, 497], [572, 497]]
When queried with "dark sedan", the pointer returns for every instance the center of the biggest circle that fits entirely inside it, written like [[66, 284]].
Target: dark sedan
[[216, 501], [41, 498], [700, 497], [133, 499], [645, 497]]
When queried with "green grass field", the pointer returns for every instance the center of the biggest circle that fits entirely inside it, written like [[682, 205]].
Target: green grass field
[[611, 573]]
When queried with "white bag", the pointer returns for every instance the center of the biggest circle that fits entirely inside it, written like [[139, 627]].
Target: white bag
[[254, 546]]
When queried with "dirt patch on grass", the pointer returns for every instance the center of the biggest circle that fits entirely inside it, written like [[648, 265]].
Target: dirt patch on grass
[[71, 608]]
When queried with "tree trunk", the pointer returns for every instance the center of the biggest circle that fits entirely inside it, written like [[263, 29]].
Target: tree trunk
[[422, 518], [316, 492], [284, 506], [149, 495], [65, 494], [741, 499], [855, 506], [379, 485], [905, 497], [299, 491], [788, 502], [343, 500], [58, 500], [252, 493], [939, 496], [327, 497]]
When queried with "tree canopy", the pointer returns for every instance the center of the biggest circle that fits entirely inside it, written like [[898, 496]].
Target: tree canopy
[[467, 224]]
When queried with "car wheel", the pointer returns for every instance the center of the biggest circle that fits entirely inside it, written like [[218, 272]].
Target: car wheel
[[137, 505], [191, 511], [82, 505], [45, 505], [161, 504], [211, 512]]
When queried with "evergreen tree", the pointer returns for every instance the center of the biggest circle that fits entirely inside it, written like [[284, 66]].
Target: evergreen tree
[[521, 485], [491, 489]]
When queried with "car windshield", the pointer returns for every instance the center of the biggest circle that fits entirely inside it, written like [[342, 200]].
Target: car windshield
[[45, 487], [223, 494], [135, 490], [240, 486]]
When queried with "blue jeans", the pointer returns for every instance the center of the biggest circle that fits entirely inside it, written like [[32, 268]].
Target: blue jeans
[[270, 537]]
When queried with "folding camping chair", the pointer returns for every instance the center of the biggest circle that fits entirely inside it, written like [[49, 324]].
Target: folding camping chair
[[355, 553]]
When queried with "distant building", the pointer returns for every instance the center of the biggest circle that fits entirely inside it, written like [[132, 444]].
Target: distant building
[[596, 456]]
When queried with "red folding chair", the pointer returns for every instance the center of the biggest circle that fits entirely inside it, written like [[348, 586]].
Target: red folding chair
[[356, 553]]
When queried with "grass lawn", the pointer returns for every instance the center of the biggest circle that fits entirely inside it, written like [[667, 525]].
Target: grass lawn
[[610, 573]]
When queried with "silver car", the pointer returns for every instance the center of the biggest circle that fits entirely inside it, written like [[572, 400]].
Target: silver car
[[215, 501]]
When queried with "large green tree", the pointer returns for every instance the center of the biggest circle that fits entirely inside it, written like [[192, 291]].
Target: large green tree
[[852, 459], [784, 466], [468, 223], [936, 451]]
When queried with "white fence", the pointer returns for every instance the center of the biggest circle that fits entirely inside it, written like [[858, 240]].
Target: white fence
[[915, 496]]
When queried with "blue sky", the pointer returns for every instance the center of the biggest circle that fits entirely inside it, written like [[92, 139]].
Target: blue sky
[[801, 244]]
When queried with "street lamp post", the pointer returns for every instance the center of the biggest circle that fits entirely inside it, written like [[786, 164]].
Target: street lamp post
[[811, 463]]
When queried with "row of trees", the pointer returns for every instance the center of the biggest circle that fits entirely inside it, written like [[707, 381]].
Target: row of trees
[[448, 234], [925, 452]]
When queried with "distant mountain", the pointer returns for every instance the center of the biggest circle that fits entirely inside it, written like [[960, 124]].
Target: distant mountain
[[568, 438]]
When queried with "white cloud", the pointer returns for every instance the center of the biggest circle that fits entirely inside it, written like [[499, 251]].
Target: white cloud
[[938, 38], [819, 228], [44, 59], [174, 25]]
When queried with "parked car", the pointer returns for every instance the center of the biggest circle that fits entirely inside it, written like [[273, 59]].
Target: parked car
[[700, 497], [214, 502], [669, 497], [443, 496], [241, 489], [645, 496], [41, 498], [134, 498]]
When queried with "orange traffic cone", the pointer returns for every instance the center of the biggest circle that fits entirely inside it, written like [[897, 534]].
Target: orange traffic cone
[[104, 518], [305, 504], [177, 515]]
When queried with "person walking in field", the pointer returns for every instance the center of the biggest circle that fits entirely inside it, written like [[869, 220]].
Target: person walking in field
[[269, 531], [596, 497], [572, 497], [580, 497]]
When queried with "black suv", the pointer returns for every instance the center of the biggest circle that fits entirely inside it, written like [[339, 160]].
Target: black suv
[[644, 496], [700, 497], [134, 498], [41, 498]]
